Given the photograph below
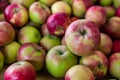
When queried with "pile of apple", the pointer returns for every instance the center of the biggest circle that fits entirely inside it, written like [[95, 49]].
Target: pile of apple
[[72, 39]]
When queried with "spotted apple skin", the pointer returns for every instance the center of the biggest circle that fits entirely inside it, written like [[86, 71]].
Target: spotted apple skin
[[16, 14], [82, 37]]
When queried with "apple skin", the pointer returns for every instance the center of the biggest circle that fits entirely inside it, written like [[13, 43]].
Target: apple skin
[[2, 18], [116, 3], [57, 23], [44, 30], [32, 53], [10, 52], [105, 2], [7, 31], [79, 8], [48, 2], [106, 44], [79, 72], [116, 46], [59, 59], [16, 14], [29, 34], [1, 60], [49, 41], [82, 37], [118, 12], [25, 3], [21, 70], [94, 12], [97, 62], [112, 27], [61, 7], [3, 5], [38, 12], [114, 65]]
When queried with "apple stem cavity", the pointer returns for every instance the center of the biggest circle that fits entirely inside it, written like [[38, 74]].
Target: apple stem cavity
[[60, 52], [83, 32]]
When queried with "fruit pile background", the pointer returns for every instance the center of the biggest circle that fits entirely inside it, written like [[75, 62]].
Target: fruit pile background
[[60, 39]]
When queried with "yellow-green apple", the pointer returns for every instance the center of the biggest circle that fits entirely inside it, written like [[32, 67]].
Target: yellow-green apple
[[116, 3], [1, 60], [59, 59], [79, 72], [49, 41], [112, 27], [7, 33], [38, 12], [118, 12], [97, 62], [48, 2], [110, 11], [114, 65], [32, 53], [79, 8], [105, 2], [16, 14], [21, 70], [61, 7], [106, 44], [29, 34], [116, 46], [2, 18], [10, 52], [68, 1], [96, 14], [82, 37], [57, 23], [44, 30], [25, 3], [3, 5]]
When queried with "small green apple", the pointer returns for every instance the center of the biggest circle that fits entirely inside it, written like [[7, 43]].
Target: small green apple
[[105, 2], [29, 34], [10, 52], [48, 2], [1, 60]]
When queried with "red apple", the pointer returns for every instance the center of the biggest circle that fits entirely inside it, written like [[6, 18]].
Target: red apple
[[82, 37], [96, 14], [97, 62], [79, 72], [116, 46], [57, 23], [118, 12], [32, 53], [7, 33], [16, 14], [20, 71]]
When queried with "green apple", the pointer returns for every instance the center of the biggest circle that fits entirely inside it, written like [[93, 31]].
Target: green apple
[[116, 3], [69, 1], [48, 2], [29, 34], [1, 60], [59, 59], [38, 12], [26, 3], [49, 41], [10, 52], [2, 17], [105, 2]]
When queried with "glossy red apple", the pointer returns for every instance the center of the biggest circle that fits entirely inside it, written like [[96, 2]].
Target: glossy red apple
[[20, 71], [82, 37]]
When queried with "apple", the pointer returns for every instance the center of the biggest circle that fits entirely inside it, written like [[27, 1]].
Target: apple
[[82, 37], [116, 46], [88, 3], [106, 44], [1, 60], [32, 53], [21, 70], [57, 23], [112, 27], [114, 65], [49, 41], [61, 7], [29, 34], [105, 2], [59, 59], [63, 41], [44, 30], [68, 1], [3, 5], [38, 12], [118, 12], [79, 72], [2, 17], [16, 14], [48, 2], [97, 62], [116, 3], [79, 8], [7, 33], [25, 3], [96, 14], [110, 11], [10, 52]]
